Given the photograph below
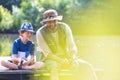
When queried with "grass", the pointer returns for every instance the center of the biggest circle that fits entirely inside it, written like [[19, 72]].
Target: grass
[[6, 44]]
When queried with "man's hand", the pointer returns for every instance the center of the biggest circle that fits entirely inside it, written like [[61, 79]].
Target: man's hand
[[64, 61]]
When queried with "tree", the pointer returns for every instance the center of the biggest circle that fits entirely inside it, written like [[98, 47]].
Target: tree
[[8, 3], [6, 20]]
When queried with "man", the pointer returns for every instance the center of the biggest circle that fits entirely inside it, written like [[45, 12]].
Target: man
[[56, 42]]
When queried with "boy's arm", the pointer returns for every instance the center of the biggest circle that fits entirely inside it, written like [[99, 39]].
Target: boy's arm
[[15, 58], [29, 61]]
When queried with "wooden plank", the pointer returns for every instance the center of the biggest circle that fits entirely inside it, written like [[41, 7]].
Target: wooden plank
[[6, 71]]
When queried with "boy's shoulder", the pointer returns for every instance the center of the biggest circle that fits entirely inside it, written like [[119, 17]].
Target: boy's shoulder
[[18, 40], [30, 42]]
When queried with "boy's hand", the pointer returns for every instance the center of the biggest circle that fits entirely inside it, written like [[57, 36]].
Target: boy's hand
[[26, 62]]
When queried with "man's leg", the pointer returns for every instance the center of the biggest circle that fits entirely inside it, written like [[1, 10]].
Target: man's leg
[[54, 74], [85, 71], [53, 67]]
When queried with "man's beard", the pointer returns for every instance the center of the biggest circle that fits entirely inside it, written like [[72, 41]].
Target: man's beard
[[52, 28]]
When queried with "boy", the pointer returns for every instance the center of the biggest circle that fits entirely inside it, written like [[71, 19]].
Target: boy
[[23, 48]]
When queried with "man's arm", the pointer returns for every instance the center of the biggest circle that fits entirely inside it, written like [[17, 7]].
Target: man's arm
[[71, 46], [43, 47], [58, 59]]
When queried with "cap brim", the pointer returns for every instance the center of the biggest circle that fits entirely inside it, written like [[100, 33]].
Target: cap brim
[[31, 31], [56, 18], [27, 30]]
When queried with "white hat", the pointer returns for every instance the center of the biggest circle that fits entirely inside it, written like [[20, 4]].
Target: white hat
[[50, 15]]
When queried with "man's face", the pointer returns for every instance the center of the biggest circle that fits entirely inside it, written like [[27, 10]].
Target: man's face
[[51, 24]]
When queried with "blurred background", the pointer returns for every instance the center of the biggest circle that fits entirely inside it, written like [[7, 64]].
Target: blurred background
[[94, 23]]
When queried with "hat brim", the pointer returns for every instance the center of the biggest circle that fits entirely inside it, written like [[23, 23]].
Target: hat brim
[[27, 30], [56, 18]]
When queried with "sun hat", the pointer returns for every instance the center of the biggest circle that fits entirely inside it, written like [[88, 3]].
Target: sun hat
[[27, 26], [50, 15]]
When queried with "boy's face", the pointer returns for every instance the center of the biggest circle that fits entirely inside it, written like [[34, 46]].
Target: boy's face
[[27, 35]]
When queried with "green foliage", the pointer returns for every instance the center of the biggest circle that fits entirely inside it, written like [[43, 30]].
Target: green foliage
[[8, 3], [17, 17], [5, 45], [5, 19], [31, 11], [83, 15]]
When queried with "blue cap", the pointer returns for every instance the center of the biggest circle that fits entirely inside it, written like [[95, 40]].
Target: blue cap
[[26, 27]]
